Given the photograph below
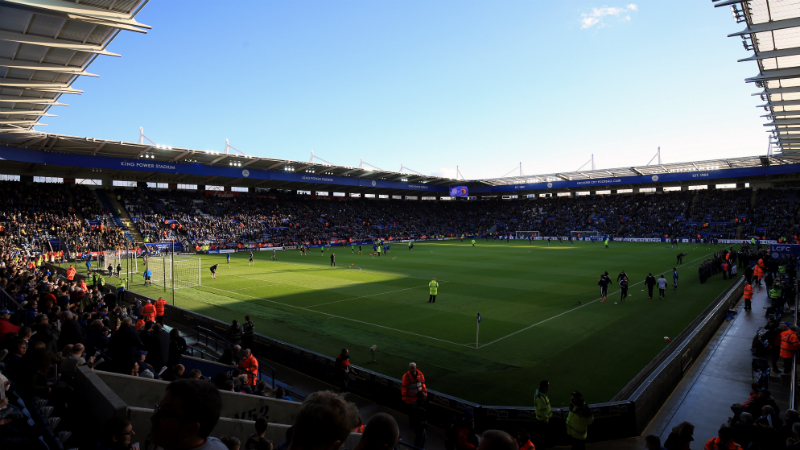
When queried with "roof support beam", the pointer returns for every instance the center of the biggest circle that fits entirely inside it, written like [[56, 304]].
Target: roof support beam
[[779, 122], [773, 54], [785, 90], [215, 160], [22, 112], [277, 165], [781, 103], [32, 100], [31, 65], [98, 148], [187, 152], [768, 26], [250, 162], [83, 13], [52, 43], [766, 75], [20, 122]]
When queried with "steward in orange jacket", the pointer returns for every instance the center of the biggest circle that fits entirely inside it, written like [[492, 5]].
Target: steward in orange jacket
[[149, 311], [748, 296], [413, 382], [139, 324], [71, 273], [789, 342], [160, 310], [249, 366]]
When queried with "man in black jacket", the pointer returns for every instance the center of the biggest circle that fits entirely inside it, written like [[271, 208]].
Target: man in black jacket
[[71, 331], [650, 281], [157, 346], [124, 343]]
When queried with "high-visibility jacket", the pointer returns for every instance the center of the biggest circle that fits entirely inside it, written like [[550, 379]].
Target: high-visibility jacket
[[139, 324], [434, 285], [759, 272], [542, 404], [71, 273], [577, 425], [789, 343], [527, 446], [249, 367], [149, 312], [121, 284], [411, 385], [748, 292], [775, 293], [160, 306]]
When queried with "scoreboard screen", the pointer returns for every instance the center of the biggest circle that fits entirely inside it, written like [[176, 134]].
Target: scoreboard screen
[[459, 191]]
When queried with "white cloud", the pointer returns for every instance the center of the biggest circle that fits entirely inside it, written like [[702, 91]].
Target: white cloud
[[445, 172], [596, 16]]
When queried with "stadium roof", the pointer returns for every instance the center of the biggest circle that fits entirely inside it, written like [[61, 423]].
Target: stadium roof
[[772, 33], [45, 45]]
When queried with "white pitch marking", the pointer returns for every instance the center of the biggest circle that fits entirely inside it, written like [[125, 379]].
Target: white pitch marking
[[567, 311]]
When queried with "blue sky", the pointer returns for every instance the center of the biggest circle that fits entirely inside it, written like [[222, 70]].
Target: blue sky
[[433, 84]]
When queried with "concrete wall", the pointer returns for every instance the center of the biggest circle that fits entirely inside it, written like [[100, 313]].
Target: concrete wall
[[98, 401], [145, 393], [651, 388], [242, 429]]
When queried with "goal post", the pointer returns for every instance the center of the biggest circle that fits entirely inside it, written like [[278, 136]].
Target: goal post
[[527, 234], [184, 271], [593, 235]]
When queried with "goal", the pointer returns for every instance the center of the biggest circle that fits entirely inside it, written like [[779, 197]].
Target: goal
[[184, 271], [594, 235], [527, 234], [124, 258]]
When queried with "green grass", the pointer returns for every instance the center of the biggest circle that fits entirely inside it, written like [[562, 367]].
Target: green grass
[[532, 328]]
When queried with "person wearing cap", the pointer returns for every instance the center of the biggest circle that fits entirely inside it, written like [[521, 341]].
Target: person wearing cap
[[434, 286], [149, 311], [5, 325], [578, 420], [143, 366], [789, 343], [413, 382]]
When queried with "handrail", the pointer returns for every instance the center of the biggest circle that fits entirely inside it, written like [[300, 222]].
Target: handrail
[[7, 301], [228, 344], [792, 388]]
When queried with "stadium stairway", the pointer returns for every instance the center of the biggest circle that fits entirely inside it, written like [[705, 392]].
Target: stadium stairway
[[299, 383], [720, 377]]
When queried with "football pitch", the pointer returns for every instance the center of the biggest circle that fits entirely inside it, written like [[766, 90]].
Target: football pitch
[[526, 294]]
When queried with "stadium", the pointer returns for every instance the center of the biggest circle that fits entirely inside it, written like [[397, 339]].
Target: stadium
[[128, 267]]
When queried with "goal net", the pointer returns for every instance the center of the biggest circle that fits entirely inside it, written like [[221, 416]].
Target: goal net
[[584, 234], [184, 271], [125, 259], [527, 234]]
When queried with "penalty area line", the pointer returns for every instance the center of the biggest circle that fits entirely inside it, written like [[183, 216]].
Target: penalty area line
[[569, 311], [333, 316]]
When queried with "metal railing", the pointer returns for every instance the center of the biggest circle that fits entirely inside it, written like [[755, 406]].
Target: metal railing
[[210, 339], [8, 302]]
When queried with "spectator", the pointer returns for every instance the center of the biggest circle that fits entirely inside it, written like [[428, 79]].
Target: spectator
[[174, 373], [465, 432], [257, 441], [69, 366], [497, 440], [381, 433], [681, 437], [323, 422], [419, 420], [196, 375], [578, 421], [261, 389], [117, 434], [235, 333], [764, 398], [793, 443], [791, 417], [230, 356], [285, 444], [744, 431], [231, 442], [177, 347], [544, 413], [157, 346], [5, 325], [248, 333], [143, 369], [123, 346], [722, 441], [280, 394], [342, 368], [71, 331], [185, 417], [652, 442]]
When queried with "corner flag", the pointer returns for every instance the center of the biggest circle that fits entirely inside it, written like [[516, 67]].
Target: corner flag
[[479, 317]]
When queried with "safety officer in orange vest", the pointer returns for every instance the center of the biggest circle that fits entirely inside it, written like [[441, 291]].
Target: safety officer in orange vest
[[413, 382], [759, 274], [524, 440], [160, 310], [249, 366], [149, 311], [748, 297], [139, 324], [789, 343], [71, 273]]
